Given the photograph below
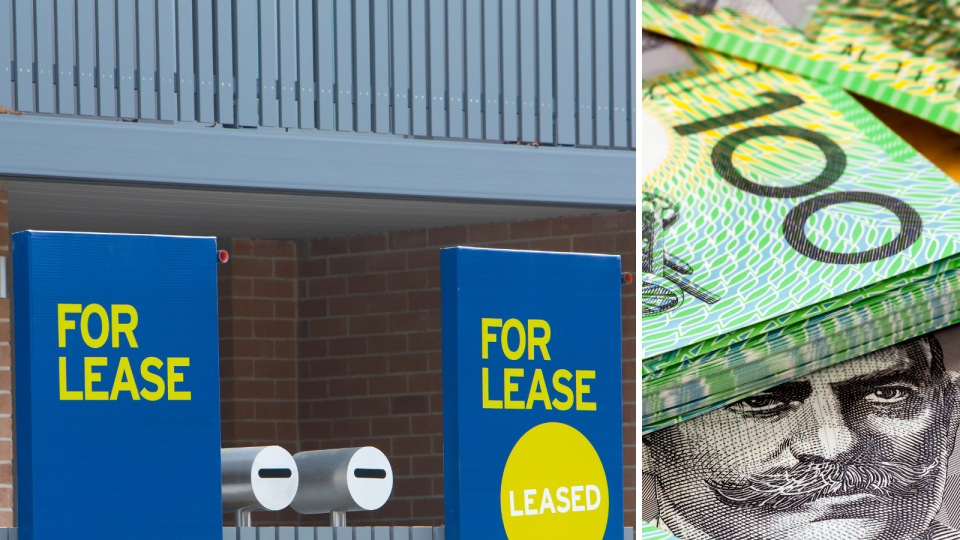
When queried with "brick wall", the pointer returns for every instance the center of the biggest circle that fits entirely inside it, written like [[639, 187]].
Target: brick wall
[[336, 342]]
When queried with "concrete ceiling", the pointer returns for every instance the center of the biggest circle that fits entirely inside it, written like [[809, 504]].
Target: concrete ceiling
[[99, 207]]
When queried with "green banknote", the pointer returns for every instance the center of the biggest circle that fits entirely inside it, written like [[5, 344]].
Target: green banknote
[[903, 53], [765, 193]]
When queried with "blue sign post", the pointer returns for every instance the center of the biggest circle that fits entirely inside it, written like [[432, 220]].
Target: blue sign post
[[117, 386], [532, 406]]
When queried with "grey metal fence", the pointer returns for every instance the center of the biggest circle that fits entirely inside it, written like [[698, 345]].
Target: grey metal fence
[[547, 71]]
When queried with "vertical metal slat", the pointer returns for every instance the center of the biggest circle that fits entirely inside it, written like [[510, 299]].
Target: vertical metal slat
[[86, 50], [44, 51], [147, 57], [401, 67], [225, 73], [602, 66], [325, 63], [545, 87], [509, 59], [345, 90], [23, 14], [474, 69], [566, 72], [632, 78], [269, 105], [418, 59], [185, 72], [455, 73], [126, 48], [106, 58], [66, 101], [6, 56], [381, 60], [305, 78], [584, 94], [363, 66], [620, 85], [438, 69], [528, 71], [288, 63], [491, 69], [206, 84], [167, 59], [248, 107]]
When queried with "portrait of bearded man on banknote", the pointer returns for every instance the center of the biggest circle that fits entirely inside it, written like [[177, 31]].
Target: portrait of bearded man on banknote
[[859, 450]]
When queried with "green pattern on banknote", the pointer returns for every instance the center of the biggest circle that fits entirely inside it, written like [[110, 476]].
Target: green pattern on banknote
[[750, 152], [669, 418], [649, 532], [849, 49]]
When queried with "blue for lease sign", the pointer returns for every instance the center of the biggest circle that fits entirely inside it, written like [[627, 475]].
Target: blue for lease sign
[[532, 404], [117, 386]]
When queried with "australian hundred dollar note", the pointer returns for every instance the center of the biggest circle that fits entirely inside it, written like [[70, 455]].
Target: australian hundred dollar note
[[770, 201], [904, 53]]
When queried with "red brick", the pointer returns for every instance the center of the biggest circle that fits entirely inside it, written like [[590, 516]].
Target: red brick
[[389, 384], [492, 232], [240, 247], [312, 267], [276, 410], [386, 303], [425, 341], [572, 225], [427, 424], [389, 261], [283, 268], [368, 324], [409, 322], [411, 446], [551, 244], [403, 281], [386, 344], [411, 487], [312, 348], [328, 246], [529, 229], [447, 237], [273, 248], [275, 369], [332, 408], [350, 346], [350, 428], [367, 283], [254, 389], [359, 244], [410, 404], [254, 348], [627, 242], [250, 267], [426, 382], [408, 239], [374, 406], [408, 363], [348, 305], [621, 221], [274, 329], [424, 258], [389, 426], [285, 309], [273, 288], [349, 387], [596, 243], [428, 506], [329, 327], [355, 264], [424, 300], [331, 286], [423, 465]]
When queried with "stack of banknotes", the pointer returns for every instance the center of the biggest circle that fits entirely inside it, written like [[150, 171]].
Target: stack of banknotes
[[786, 230]]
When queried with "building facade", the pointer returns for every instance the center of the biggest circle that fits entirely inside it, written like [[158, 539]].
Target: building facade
[[333, 147]]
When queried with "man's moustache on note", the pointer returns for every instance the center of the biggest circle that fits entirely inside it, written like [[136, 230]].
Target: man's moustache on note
[[790, 488]]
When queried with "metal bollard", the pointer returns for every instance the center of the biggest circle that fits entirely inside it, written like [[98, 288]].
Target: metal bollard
[[342, 480], [257, 478]]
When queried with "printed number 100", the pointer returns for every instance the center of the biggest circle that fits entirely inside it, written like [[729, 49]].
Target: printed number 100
[[793, 226]]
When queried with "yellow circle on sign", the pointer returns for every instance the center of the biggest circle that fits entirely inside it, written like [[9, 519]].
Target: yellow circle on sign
[[554, 486]]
